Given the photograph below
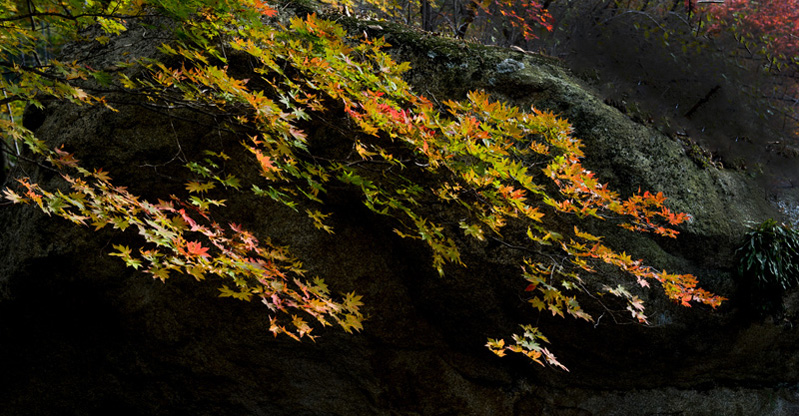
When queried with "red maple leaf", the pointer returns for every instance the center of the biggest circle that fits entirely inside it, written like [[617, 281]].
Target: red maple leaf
[[196, 249]]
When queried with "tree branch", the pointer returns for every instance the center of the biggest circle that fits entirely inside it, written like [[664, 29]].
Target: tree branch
[[31, 15]]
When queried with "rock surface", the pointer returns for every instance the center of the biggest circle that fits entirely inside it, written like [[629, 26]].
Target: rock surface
[[81, 334]]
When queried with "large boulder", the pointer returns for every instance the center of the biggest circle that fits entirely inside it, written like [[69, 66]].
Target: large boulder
[[82, 334]]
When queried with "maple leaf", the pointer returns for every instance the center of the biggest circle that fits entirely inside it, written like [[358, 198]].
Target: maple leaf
[[264, 9], [14, 197], [537, 303], [160, 273], [224, 291], [267, 165], [363, 152], [298, 134], [134, 263], [351, 322], [230, 181], [275, 328], [64, 158], [124, 251], [196, 271], [533, 213], [352, 301], [196, 249], [554, 308], [321, 286], [497, 346], [79, 93], [101, 175], [318, 219], [586, 236], [303, 328], [636, 303], [472, 230], [196, 187], [685, 300]]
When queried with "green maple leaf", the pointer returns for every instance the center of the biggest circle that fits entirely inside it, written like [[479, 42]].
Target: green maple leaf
[[196, 187], [537, 303]]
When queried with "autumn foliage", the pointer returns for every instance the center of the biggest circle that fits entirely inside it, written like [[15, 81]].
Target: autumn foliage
[[770, 25], [490, 163]]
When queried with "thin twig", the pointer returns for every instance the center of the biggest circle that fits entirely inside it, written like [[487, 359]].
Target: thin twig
[[11, 115]]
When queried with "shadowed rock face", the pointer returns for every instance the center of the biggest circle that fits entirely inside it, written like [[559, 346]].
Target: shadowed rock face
[[81, 334]]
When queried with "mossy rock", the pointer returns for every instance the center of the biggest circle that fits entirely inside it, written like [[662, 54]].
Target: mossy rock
[[85, 335]]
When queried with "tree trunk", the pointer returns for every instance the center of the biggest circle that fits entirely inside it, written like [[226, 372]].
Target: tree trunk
[[2, 168], [427, 15], [472, 12]]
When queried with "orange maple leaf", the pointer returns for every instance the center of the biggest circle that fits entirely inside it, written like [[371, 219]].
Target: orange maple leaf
[[264, 9]]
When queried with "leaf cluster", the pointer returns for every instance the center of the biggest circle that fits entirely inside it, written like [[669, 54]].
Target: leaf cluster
[[488, 163], [769, 256]]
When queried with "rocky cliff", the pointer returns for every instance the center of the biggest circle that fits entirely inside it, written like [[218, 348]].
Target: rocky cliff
[[81, 334]]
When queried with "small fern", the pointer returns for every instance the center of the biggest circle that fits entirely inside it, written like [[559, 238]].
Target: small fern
[[768, 259]]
